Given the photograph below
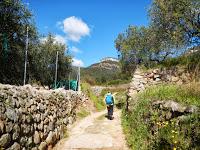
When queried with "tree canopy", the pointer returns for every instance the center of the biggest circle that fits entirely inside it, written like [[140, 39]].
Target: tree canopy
[[15, 17], [174, 25]]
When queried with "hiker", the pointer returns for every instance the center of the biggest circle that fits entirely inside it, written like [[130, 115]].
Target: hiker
[[109, 99]]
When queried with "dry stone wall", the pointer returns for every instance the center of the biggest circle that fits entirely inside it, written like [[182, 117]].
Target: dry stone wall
[[35, 119], [142, 80]]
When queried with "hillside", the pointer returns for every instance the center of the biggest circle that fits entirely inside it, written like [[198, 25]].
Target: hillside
[[106, 64], [102, 72]]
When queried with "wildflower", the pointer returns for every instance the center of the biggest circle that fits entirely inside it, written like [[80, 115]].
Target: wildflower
[[173, 131], [174, 148], [172, 136], [175, 142]]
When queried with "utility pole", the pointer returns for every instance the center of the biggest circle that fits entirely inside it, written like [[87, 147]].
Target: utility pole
[[26, 53], [56, 68], [79, 85]]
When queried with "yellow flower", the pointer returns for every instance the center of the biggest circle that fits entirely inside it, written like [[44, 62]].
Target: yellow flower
[[172, 136], [175, 142], [174, 148], [173, 131]]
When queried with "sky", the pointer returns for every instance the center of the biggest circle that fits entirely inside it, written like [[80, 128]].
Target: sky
[[88, 27]]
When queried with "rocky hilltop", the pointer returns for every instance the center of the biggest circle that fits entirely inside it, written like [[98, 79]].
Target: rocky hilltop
[[104, 71], [107, 64], [32, 118]]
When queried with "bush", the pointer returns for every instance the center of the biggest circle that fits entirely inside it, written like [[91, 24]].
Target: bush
[[146, 127], [98, 101]]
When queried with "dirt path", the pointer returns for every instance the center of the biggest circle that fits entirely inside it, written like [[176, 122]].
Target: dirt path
[[95, 132]]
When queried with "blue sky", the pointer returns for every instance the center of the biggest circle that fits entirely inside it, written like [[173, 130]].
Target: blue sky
[[88, 27]]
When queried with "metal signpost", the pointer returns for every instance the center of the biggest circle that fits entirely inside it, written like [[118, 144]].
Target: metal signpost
[[26, 53], [56, 73]]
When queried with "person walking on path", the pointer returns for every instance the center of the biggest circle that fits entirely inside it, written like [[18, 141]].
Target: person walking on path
[[109, 99]]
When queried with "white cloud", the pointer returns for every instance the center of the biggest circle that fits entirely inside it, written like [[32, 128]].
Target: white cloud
[[75, 49], [74, 28], [58, 38], [77, 62]]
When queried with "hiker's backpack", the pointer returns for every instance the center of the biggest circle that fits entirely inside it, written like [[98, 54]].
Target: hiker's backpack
[[109, 99]]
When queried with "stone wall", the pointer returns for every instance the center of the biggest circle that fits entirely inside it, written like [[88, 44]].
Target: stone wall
[[141, 80], [144, 79], [35, 119]]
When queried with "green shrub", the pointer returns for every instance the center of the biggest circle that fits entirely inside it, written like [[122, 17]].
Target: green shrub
[[146, 127], [98, 101]]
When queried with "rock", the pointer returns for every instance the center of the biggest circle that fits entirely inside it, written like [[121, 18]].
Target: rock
[[156, 76], [37, 118], [15, 136], [30, 141], [2, 109], [41, 107], [46, 121], [27, 129], [23, 141], [12, 115], [65, 121], [43, 146], [21, 101], [70, 119], [150, 75], [29, 103], [29, 118], [51, 138], [15, 146], [2, 127], [138, 76], [174, 106], [34, 148], [16, 132], [41, 126], [155, 71], [36, 137], [157, 79], [174, 79], [9, 127], [5, 140], [33, 108], [168, 115], [191, 109], [51, 126]]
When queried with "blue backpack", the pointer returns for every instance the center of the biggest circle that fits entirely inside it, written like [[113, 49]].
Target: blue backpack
[[109, 99]]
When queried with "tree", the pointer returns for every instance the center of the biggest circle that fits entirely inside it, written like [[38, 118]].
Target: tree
[[174, 25], [139, 45], [177, 20], [43, 58], [14, 18]]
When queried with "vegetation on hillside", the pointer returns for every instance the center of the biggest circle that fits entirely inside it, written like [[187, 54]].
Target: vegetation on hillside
[[147, 127], [104, 74], [15, 17]]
